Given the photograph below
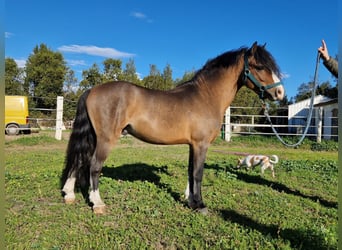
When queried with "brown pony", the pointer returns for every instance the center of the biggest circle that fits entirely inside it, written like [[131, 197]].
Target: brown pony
[[191, 114]]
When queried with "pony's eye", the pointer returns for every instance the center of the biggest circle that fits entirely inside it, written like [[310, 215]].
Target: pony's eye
[[259, 67]]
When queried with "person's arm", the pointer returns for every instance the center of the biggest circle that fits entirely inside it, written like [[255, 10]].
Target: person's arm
[[332, 65]]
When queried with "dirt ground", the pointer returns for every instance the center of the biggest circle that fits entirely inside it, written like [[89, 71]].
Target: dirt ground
[[65, 135], [59, 145]]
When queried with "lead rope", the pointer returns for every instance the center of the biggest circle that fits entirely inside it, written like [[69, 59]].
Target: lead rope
[[266, 107]]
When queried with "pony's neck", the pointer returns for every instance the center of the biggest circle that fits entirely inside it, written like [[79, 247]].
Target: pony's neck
[[222, 86]]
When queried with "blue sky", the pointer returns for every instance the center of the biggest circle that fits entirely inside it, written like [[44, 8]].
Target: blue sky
[[184, 34]]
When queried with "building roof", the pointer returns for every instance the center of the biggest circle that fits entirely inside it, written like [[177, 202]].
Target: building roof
[[329, 102], [305, 104]]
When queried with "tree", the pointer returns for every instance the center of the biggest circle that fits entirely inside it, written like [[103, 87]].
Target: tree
[[71, 95], [245, 97], [91, 77], [154, 80], [305, 90], [70, 81], [167, 77], [45, 74], [187, 76], [112, 70], [129, 74], [326, 89], [14, 78]]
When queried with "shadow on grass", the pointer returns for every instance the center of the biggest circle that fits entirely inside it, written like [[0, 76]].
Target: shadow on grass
[[141, 172], [304, 239], [307, 239], [281, 188]]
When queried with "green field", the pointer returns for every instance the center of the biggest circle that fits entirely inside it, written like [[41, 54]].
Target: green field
[[143, 188]]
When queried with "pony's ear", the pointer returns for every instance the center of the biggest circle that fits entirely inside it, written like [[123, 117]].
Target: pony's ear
[[264, 45], [253, 48]]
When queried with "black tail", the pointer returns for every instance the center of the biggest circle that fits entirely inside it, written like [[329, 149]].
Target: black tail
[[81, 146]]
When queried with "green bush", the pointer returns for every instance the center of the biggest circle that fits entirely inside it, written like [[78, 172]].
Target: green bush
[[325, 145]]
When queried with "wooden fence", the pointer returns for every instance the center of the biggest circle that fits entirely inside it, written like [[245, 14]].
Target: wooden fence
[[237, 122]]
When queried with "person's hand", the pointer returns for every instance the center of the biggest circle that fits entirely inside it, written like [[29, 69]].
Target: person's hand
[[323, 50]]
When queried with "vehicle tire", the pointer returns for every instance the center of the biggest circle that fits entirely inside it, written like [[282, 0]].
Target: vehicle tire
[[12, 129], [27, 131]]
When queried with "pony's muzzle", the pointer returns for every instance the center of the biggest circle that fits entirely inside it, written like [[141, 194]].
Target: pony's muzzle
[[279, 93]]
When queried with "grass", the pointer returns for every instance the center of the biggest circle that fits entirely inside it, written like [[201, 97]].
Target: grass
[[143, 187]]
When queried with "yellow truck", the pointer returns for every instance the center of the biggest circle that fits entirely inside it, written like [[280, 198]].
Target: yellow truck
[[16, 115]]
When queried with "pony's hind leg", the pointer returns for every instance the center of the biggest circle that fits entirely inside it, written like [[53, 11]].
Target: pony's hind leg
[[68, 189], [100, 155], [94, 194]]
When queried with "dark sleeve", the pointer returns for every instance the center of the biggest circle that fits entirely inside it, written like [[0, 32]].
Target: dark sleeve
[[332, 66]]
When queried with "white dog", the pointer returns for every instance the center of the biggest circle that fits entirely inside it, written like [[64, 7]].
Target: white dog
[[262, 160]]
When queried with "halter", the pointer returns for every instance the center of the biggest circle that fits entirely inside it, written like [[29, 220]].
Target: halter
[[262, 88]]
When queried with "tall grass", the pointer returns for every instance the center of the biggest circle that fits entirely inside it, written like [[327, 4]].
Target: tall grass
[[143, 187]]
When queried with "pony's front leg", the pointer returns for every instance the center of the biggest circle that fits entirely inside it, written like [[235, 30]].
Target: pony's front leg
[[94, 194], [196, 165], [68, 189]]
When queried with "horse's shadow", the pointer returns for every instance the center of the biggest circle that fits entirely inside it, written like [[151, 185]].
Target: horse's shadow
[[280, 187], [144, 172], [141, 172], [150, 173], [305, 239]]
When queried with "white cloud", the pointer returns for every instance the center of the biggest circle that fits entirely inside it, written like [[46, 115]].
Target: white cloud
[[20, 62], [94, 51], [141, 16], [138, 15], [76, 62], [139, 75]]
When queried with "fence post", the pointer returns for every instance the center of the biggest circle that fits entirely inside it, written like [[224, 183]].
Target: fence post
[[227, 126], [59, 118], [319, 125]]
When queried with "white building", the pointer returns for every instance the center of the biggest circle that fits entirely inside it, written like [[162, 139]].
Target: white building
[[324, 122]]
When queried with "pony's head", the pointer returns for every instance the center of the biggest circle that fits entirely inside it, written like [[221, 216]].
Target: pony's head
[[261, 73]]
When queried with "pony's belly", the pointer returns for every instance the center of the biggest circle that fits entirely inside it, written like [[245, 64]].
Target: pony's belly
[[158, 135]]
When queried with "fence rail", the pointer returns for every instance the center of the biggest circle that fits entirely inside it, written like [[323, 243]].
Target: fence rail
[[237, 121]]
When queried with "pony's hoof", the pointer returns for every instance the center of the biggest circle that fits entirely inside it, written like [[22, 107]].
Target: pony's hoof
[[99, 210], [203, 210], [69, 200]]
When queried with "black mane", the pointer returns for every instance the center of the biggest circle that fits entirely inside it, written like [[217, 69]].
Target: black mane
[[232, 57], [222, 61], [229, 58]]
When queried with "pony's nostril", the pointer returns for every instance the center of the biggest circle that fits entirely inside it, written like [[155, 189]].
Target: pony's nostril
[[279, 93]]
